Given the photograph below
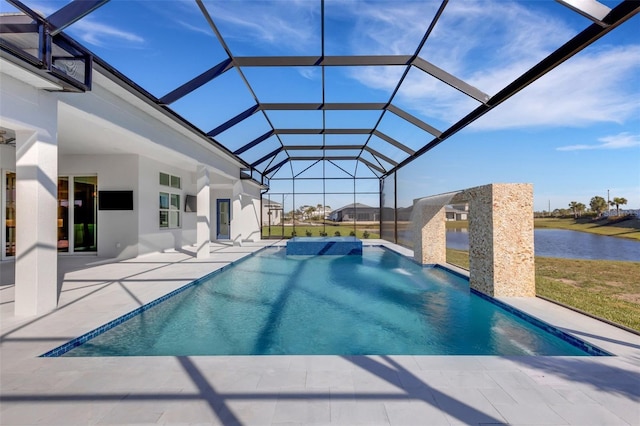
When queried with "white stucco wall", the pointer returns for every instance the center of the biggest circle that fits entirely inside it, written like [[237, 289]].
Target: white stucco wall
[[117, 230], [152, 237], [245, 224], [245, 210], [144, 143], [218, 193], [109, 102]]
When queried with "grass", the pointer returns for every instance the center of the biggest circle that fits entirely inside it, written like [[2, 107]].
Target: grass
[[301, 231], [605, 288]]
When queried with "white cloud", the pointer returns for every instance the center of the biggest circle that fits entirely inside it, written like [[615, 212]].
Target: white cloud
[[201, 30], [98, 34], [584, 90], [619, 141], [489, 44], [183, 14], [308, 72], [473, 41], [92, 32], [383, 28], [282, 25]]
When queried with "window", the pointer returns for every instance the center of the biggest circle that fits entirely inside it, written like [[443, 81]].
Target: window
[[169, 203], [170, 180]]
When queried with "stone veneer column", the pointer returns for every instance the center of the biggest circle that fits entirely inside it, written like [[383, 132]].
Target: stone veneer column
[[501, 256], [203, 226], [430, 243]]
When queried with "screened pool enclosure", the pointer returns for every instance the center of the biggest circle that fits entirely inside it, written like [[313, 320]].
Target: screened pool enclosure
[[337, 108]]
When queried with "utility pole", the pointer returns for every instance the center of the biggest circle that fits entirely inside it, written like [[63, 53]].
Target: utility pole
[[549, 208], [608, 205]]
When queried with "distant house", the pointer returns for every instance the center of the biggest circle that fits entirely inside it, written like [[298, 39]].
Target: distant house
[[457, 212], [271, 212], [452, 212], [324, 212], [355, 211]]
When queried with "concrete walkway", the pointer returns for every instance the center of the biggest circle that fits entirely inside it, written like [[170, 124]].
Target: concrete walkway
[[289, 390]]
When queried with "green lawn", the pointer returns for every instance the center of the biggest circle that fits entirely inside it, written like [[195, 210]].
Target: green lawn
[[301, 231], [605, 288]]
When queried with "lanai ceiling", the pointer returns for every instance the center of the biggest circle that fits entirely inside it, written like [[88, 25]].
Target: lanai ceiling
[[364, 86]]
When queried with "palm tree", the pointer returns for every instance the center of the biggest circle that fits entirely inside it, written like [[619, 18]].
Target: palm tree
[[598, 205], [580, 208], [618, 201], [574, 206], [309, 212]]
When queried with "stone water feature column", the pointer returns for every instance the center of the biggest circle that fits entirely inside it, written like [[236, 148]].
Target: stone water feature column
[[501, 249], [501, 256], [429, 233]]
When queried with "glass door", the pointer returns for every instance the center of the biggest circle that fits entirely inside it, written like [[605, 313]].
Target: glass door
[[63, 215], [222, 219], [85, 214], [10, 215]]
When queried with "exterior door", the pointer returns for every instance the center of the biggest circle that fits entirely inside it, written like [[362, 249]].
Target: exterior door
[[223, 218], [9, 215], [85, 214]]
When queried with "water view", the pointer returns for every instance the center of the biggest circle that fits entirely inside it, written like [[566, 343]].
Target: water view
[[566, 244]]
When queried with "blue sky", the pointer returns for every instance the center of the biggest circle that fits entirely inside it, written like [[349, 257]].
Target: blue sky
[[574, 133]]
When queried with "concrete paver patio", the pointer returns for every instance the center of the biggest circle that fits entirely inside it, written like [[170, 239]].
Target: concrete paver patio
[[290, 390]]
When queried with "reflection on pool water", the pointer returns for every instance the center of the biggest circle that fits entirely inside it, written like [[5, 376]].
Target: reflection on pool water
[[380, 303]]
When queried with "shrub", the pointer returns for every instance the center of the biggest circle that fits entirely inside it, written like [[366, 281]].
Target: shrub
[[352, 233], [365, 234], [293, 233], [337, 233], [308, 233], [323, 234]]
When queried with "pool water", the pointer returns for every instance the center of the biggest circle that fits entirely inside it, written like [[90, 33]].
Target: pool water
[[380, 303]]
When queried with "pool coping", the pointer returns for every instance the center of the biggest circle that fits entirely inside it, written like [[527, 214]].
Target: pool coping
[[588, 348]]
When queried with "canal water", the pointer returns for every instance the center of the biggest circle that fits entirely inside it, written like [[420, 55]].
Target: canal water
[[566, 244]]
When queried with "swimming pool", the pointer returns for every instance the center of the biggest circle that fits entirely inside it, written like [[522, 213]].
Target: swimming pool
[[270, 303]]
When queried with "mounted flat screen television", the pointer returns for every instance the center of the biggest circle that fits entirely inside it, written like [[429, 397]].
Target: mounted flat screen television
[[115, 200], [191, 204]]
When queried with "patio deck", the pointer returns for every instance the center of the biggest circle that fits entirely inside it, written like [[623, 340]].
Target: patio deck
[[279, 390]]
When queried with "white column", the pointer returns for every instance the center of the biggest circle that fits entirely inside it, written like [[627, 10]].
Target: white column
[[36, 266], [203, 227]]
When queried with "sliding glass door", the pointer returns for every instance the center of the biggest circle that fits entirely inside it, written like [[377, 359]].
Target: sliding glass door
[[10, 214], [77, 191], [85, 214], [63, 215]]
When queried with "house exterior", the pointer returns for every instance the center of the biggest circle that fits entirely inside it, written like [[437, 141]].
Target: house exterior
[[272, 213], [457, 212], [106, 171], [355, 212]]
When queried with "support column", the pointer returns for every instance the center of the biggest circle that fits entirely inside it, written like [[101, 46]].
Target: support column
[[430, 242], [501, 248], [36, 265], [203, 227]]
